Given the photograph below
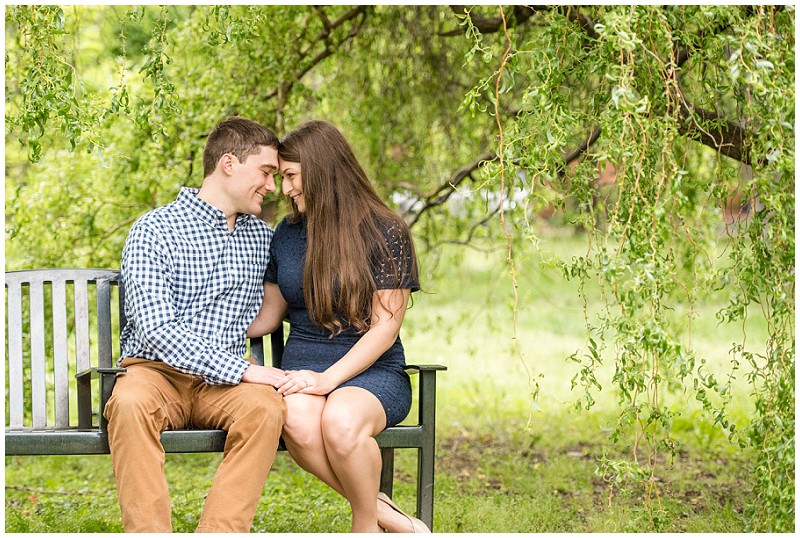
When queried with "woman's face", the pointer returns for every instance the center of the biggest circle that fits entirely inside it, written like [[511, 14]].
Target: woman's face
[[292, 183]]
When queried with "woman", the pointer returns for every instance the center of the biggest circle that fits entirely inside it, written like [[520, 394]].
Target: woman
[[342, 267]]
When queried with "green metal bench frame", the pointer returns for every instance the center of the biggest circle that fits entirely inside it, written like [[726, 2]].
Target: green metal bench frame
[[48, 428]]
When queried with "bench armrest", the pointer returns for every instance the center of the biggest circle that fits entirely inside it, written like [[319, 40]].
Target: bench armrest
[[425, 367], [99, 371], [108, 377], [427, 393]]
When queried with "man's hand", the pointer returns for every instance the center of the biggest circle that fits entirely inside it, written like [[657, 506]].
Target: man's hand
[[265, 375]]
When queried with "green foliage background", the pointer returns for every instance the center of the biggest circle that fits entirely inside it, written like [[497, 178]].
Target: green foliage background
[[467, 119]]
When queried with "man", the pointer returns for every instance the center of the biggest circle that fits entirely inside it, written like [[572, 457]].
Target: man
[[193, 272]]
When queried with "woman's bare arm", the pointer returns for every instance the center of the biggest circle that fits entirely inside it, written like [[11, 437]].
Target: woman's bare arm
[[272, 312]]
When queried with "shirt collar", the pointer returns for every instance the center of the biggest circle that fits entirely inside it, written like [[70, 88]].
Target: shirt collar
[[214, 217]]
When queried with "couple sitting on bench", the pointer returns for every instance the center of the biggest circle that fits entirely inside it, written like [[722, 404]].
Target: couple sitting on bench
[[341, 267]]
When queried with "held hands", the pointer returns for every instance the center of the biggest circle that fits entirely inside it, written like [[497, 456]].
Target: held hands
[[265, 375], [304, 382]]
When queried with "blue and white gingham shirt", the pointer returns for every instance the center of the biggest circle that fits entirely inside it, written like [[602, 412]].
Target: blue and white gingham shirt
[[192, 287]]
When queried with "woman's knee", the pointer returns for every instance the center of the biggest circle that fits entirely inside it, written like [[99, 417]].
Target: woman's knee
[[343, 432], [302, 425], [302, 437]]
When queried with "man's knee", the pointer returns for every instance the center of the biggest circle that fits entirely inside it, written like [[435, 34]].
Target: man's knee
[[141, 400], [126, 403], [261, 402]]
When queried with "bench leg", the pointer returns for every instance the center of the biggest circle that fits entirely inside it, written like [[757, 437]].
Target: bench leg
[[387, 471], [426, 453], [425, 486]]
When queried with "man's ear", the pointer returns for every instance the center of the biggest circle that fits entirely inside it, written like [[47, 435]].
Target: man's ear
[[226, 163]]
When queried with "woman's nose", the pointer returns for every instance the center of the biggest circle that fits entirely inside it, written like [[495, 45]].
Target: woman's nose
[[286, 186]]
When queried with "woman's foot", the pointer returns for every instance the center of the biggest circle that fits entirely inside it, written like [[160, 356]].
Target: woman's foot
[[393, 519]]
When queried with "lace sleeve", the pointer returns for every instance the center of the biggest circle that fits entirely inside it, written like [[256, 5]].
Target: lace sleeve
[[399, 271]]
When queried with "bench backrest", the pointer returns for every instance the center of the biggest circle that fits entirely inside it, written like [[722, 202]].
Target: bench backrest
[[60, 322]]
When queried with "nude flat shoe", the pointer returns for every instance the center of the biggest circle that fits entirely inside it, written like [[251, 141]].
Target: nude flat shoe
[[416, 524]]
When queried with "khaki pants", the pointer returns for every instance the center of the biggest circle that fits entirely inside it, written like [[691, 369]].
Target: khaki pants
[[152, 397]]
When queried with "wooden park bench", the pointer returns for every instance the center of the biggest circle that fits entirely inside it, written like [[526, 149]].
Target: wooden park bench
[[63, 329]]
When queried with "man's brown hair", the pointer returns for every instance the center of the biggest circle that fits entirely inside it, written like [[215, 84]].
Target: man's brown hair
[[240, 137]]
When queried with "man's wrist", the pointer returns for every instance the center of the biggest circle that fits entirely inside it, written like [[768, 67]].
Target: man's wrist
[[244, 378]]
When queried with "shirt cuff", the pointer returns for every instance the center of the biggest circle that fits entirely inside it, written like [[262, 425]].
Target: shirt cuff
[[233, 371]]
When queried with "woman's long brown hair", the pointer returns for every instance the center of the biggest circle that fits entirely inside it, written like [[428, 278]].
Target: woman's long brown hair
[[344, 222]]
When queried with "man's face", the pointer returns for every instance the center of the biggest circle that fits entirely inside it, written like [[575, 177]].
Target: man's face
[[252, 179]]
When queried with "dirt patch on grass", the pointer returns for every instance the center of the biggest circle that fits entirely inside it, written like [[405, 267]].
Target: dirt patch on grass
[[462, 456], [697, 481]]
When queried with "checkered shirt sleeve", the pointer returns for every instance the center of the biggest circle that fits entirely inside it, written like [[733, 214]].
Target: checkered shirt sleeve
[[192, 288]]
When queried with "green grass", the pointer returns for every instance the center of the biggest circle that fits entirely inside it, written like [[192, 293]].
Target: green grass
[[503, 464]]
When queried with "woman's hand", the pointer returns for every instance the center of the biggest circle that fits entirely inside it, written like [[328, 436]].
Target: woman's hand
[[304, 382]]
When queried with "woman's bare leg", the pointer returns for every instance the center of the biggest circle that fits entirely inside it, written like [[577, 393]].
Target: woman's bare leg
[[302, 435], [350, 419]]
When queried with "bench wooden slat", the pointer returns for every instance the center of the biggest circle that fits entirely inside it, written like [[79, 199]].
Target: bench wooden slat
[[60, 354], [121, 311], [104, 329], [82, 347], [52, 442], [38, 366], [14, 341]]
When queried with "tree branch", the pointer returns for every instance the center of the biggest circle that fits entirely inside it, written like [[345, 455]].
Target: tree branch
[[573, 14], [443, 192], [473, 229], [721, 134], [725, 136], [584, 146], [323, 37], [446, 189], [491, 25]]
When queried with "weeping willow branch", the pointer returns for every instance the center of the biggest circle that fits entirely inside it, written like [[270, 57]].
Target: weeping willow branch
[[491, 25], [726, 136], [583, 147], [509, 241]]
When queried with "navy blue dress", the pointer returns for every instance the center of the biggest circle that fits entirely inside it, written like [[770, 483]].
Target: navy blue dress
[[311, 348]]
